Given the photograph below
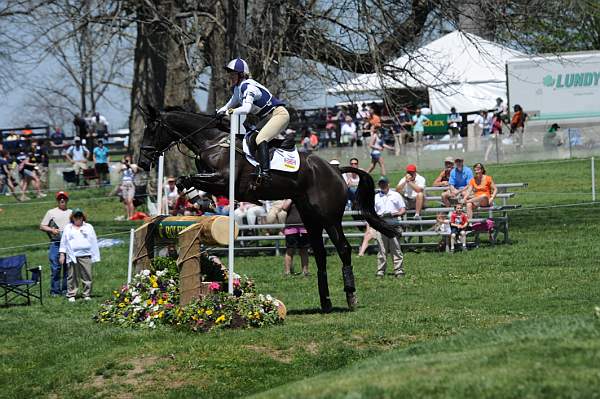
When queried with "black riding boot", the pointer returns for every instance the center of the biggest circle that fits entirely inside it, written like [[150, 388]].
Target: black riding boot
[[264, 168]]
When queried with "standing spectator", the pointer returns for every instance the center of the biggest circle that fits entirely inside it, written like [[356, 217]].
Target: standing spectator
[[402, 128], [53, 224], [362, 116], [171, 193], [454, 121], [28, 173], [389, 205], [314, 140], [444, 176], [57, 141], [458, 225], [6, 179], [500, 108], [348, 132], [495, 136], [458, 182], [481, 190], [101, 160], [517, 124], [128, 171], [377, 145], [419, 120], [79, 248], [81, 126], [412, 189], [40, 151], [352, 180], [78, 155], [296, 238], [374, 121]]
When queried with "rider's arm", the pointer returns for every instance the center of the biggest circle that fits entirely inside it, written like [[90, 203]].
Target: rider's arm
[[232, 101], [246, 106]]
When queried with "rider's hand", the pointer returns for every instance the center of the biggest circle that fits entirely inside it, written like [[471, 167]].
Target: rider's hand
[[230, 111]]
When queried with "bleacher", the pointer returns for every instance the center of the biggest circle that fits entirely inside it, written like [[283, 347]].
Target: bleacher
[[415, 233]]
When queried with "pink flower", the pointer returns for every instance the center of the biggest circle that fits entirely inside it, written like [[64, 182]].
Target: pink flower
[[214, 286]]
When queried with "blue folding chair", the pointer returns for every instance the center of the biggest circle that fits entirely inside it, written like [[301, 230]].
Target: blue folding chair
[[13, 284]]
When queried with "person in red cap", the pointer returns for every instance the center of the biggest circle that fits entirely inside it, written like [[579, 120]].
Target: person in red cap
[[412, 189], [53, 224]]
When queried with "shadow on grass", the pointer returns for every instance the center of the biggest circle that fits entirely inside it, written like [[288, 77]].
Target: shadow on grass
[[316, 311]]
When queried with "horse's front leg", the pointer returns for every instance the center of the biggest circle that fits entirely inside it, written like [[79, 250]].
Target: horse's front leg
[[211, 183]]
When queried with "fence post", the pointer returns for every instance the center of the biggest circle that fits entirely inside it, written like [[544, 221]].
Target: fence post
[[570, 147], [235, 127], [159, 184], [593, 180], [130, 263]]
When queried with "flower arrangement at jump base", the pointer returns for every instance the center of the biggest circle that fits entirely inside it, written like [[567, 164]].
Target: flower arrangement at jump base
[[152, 299]]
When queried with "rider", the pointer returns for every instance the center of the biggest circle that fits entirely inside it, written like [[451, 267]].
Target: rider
[[253, 98]]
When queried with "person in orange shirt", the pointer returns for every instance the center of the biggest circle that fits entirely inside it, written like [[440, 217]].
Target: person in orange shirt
[[374, 122], [517, 124], [481, 192]]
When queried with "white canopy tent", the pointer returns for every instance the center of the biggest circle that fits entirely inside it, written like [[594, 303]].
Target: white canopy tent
[[458, 70]]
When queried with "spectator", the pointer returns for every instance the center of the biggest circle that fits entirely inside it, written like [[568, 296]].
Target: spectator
[[6, 179], [100, 126], [500, 108], [458, 182], [53, 224], [402, 128], [77, 155], [81, 126], [127, 187], [171, 193], [352, 180], [314, 140], [517, 124], [275, 212], [101, 160], [79, 248], [57, 141], [389, 205], [184, 207], [348, 132], [27, 135], [481, 190], [444, 176], [362, 116], [418, 126], [249, 211], [28, 174], [374, 121], [454, 122], [551, 139], [296, 238], [377, 145], [458, 225], [495, 136], [412, 189], [221, 205], [40, 151]]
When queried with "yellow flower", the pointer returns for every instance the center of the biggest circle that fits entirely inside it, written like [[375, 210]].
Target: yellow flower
[[161, 314], [256, 315], [209, 312], [126, 300], [160, 301], [149, 302], [154, 285], [121, 305], [220, 319]]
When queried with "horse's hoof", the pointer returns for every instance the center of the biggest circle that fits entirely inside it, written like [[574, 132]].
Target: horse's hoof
[[352, 300], [326, 306]]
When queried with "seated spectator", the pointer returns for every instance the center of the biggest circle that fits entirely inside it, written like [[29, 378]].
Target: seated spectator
[[296, 238], [458, 226], [275, 212], [444, 176], [99, 126], [412, 189], [183, 207], [457, 183], [57, 138], [481, 190], [171, 192], [101, 160], [77, 155], [251, 212], [128, 170], [551, 139]]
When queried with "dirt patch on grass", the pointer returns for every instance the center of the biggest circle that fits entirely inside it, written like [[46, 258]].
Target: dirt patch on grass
[[280, 355], [312, 348]]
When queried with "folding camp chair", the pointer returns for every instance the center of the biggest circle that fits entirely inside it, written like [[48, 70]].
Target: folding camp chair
[[12, 282], [69, 176]]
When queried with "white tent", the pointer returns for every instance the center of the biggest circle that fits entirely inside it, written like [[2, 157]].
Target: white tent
[[458, 70]]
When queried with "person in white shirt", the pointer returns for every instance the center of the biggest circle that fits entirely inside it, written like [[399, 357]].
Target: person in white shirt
[[412, 189], [79, 248], [171, 193], [78, 155], [348, 132], [389, 205]]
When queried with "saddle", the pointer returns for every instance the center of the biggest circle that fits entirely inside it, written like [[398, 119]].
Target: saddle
[[288, 143], [282, 152]]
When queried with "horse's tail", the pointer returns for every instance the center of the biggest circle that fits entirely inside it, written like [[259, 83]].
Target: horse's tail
[[365, 200]]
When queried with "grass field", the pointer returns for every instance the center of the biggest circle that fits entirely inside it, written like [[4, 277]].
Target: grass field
[[497, 322]]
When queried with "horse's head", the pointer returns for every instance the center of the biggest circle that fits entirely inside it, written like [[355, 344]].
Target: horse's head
[[154, 141]]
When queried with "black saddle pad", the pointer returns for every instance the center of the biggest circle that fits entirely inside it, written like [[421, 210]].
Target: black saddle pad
[[288, 143]]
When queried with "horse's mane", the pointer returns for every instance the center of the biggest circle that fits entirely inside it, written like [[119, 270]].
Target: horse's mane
[[197, 115]]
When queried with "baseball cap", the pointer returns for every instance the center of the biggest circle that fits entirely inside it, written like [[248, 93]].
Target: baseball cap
[[449, 159], [334, 162], [77, 138], [411, 167], [458, 158], [383, 179], [77, 211], [62, 194]]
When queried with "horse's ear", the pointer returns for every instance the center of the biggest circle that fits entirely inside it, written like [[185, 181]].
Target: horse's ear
[[152, 113], [149, 114]]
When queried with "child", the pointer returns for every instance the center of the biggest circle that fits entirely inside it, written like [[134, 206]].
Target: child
[[458, 224]]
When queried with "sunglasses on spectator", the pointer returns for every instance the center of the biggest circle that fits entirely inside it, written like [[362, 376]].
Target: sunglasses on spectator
[[353, 163]]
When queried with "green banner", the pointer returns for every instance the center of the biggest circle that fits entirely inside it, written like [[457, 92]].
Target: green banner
[[437, 124]]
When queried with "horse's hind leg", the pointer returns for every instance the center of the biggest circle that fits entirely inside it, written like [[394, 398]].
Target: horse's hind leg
[[336, 234]]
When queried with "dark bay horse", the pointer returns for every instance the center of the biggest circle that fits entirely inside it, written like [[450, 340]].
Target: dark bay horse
[[317, 189]]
